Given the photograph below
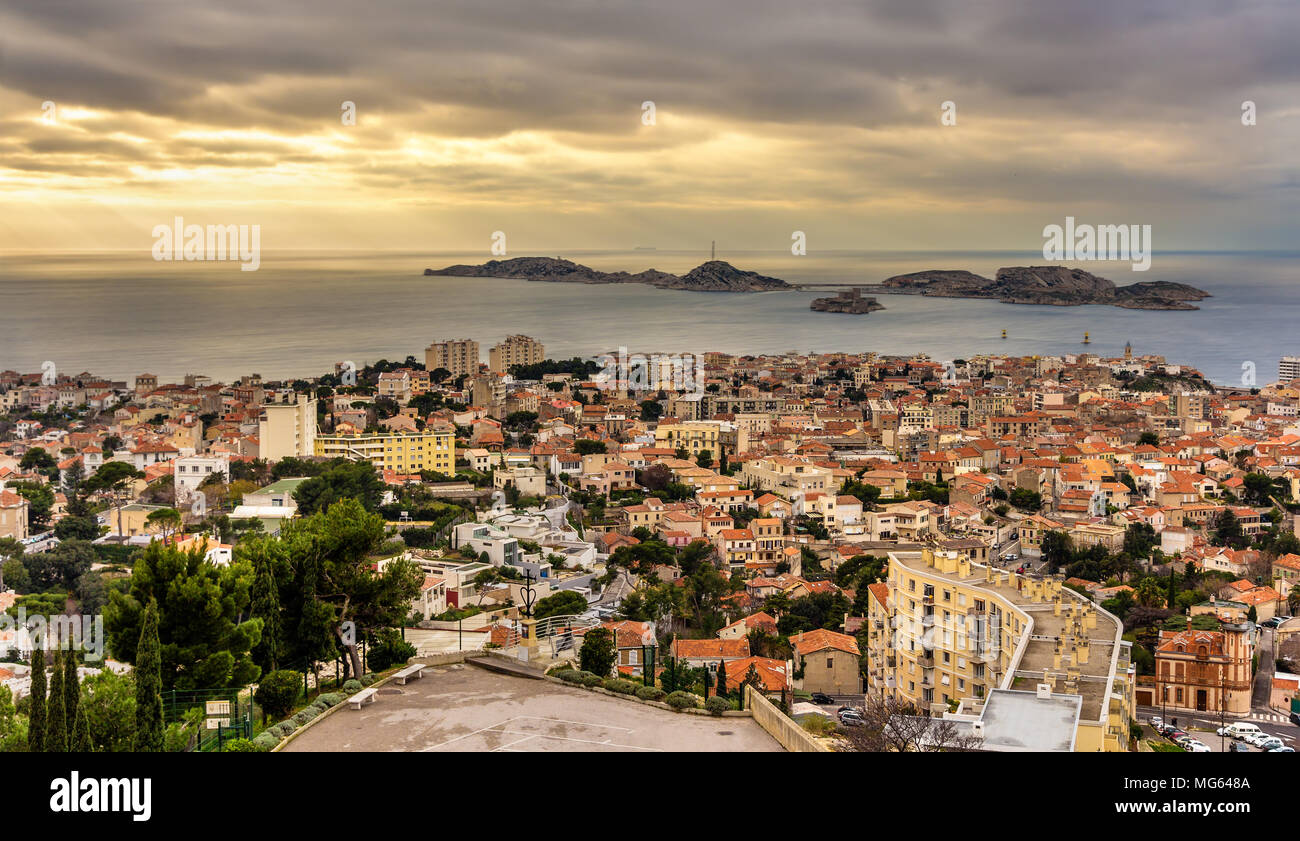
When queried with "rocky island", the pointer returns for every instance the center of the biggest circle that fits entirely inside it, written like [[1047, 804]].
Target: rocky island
[[1046, 285], [850, 301], [713, 276]]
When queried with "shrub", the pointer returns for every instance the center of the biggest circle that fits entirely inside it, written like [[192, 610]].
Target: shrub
[[266, 741], [304, 716], [680, 700], [243, 746], [650, 693], [598, 653], [283, 729], [278, 692], [575, 676], [318, 707], [555, 671], [718, 705], [624, 687], [352, 686], [331, 699], [367, 679], [591, 680], [390, 648]]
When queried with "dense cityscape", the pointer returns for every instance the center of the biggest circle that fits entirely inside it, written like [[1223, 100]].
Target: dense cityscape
[[843, 552]]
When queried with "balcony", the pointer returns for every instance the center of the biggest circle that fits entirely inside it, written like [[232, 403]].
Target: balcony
[[925, 659]]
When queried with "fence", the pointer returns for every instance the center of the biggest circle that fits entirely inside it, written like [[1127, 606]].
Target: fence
[[221, 715]]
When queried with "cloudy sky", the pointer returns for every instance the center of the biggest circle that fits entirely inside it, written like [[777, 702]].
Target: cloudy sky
[[526, 116]]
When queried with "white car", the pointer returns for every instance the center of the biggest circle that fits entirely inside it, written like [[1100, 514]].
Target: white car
[[1255, 739], [1157, 722], [1239, 730], [1282, 749], [1269, 743], [1195, 746]]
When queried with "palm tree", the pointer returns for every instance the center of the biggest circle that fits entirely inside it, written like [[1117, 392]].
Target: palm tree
[[1293, 599]]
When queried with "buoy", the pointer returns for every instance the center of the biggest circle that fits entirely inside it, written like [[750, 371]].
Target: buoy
[[1086, 340], [1004, 332]]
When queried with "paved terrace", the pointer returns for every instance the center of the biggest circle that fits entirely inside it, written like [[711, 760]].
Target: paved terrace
[[466, 708], [1039, 651]]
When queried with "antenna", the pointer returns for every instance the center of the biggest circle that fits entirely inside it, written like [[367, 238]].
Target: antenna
[[713, 250]]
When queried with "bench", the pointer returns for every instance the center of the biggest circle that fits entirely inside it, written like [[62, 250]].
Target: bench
[[365, 696], [410, 672]]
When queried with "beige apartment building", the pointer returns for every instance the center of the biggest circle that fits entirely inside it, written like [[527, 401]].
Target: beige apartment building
[[962, 630], [694, 437], [287, 429], [785, 475], [459, 356], [515, 350], [402, 452], [14, 515]]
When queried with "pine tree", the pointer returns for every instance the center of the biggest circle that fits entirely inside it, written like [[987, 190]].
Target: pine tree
[[81, 733], [36, 721], [266, 606], [148, 686], [56, 722], [71, 690]]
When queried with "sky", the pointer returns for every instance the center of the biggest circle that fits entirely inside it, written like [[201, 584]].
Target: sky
[[528, 117]]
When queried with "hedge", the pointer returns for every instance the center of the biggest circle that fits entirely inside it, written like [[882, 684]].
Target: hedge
[[352, 686], [624, 687], [650, 693], [243, 746], [680, 700], [266, 740], [332, 699], [717, 705], [576, 676]]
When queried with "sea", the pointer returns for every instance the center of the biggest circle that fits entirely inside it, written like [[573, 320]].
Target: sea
[[118, 314]]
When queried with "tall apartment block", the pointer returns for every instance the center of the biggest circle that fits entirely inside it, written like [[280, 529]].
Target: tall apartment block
[[515, 350], [460, 356], [1288, 368], [287, 429]]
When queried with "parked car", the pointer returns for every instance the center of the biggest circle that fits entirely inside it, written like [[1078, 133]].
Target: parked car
[[1270, 743], [1157, 722], [822, 698], [1196, 746], [1174, 734], [1283, 749], [851, 718], [1238, 747], [1255, 738], [1238, 730], [1184, 740]]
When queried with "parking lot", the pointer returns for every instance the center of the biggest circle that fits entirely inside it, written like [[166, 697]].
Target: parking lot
[[1205, 731], [464, 708]]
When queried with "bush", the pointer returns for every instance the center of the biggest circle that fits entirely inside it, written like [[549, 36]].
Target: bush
[[367, 679], [389, 649], [574, 676], [304, 716], [278, 692], [680, 700], [265, 741], [318, 707], [650, 693], [717, 706], [556, 671], [331, 699], [243, 746], [283, 729], [624, 687], [352, 686], [591, 680]]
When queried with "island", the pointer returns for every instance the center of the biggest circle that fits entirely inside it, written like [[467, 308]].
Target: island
[[1045, 285], [850, 301], [713, 276]]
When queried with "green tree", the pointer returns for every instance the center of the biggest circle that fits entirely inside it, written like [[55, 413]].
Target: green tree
[[76, 528], [586, 446], [71, 692], [1148, 439], [40, 499], [562, 603], [722, 677], [204, 638], [36, 714], [166, 520], [1228, 531], [81, 734], [597, 654], [1057, 549], [704, 459], [56, 720], [342, 479], [148, 685], [39, 460], [108, 706], [1149, 593], [265, 605]]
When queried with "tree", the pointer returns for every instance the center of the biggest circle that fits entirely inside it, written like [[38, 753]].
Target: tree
[[40, 461], [166, 520], [62, 566], [113, 477], [71, 693], [722, 677], [1149, 593], [704, 459], [265, 605], [148, 685], [1228, 531], [892, 725], [562, 603], [278, 692], [81, 734], [343, 479], [56, 719], [651, 410], [597, 654], [1148, 439], [76, 528], [205, 637], [40, 501], [586, 447], [1057, 549], [36, 715], [108, 706], [1026, 500]]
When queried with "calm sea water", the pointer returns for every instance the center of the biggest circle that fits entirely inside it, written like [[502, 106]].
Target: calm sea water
[[119, 314]]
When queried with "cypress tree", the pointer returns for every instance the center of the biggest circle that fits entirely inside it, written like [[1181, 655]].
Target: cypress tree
[[71, 690], [722, 677], [148, 685], [81, 733], [266, 606], [56, 722], [36, 722]]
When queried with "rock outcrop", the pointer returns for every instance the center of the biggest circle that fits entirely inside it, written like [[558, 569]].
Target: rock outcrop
[[1047, 285], [713, 276]]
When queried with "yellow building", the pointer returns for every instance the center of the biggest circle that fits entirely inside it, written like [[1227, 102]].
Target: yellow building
[[962, 630], [403, 452], [515, 350], [694, 437]]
